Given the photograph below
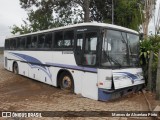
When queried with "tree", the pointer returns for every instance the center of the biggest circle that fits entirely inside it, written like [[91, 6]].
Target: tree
[[69, 12], [126, 12], [149, 7], [100, 11], [39, 19], [23, 29], [86, 10], [40, 13]]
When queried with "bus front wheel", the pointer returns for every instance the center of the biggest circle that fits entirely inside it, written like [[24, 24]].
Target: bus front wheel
[[15, 68], [66, 82]]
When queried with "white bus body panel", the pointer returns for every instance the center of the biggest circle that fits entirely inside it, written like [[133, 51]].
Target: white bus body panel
[[23, 69], [121, 78], [127, 77], [85, 83], [105, 78], [59, 57], [89, 85]]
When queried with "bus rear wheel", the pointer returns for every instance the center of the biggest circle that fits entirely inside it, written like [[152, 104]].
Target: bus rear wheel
[[66, 82], [15, 68]]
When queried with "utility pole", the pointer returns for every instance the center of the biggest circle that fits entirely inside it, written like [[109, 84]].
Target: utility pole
[[112, 11]]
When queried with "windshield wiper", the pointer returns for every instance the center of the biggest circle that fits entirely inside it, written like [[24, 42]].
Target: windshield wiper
[[111, 59], [115, 61]]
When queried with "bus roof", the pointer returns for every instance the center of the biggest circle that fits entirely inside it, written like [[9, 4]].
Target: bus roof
[[80, 25]]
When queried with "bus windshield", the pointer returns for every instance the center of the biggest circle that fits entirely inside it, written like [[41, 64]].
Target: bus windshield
[[120, 49]]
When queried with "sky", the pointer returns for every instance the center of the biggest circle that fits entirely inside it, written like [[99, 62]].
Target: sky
[[11, 13]]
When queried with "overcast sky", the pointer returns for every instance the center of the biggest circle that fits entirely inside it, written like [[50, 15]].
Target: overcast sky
[[11, 13]]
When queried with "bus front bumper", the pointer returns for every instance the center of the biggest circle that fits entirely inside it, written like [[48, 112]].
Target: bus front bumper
[[105, 95]]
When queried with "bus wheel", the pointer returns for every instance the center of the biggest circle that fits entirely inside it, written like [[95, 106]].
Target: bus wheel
[[15, 68], [66, 82]]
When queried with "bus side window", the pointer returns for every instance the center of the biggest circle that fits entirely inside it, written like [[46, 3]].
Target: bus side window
[[48, 41], [13, 44], [78, 50], [90, 49], [18, 43], [80, 41], [68, 39], [58, 40], [34, 42], [22, 43], [41, 40], [7, 44], [28, 42]]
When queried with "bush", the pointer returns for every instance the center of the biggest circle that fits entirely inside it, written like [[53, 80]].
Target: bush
[[152, 43]]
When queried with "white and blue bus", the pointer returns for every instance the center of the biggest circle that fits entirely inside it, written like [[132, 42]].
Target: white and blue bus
[[99, 61]]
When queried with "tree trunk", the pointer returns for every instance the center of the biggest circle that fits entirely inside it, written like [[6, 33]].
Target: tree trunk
[[86, 10], [158, 79], [149, 84], [146, 29], [148, 14]]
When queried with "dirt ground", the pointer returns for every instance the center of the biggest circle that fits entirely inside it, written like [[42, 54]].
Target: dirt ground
[[19, 93]]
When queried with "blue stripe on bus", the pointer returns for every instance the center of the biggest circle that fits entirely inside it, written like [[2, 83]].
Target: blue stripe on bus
[[73, 67], [129, 75], [29, 59]]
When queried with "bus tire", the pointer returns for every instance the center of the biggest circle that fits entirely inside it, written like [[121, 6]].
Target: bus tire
[[15, 68], [66, 82]]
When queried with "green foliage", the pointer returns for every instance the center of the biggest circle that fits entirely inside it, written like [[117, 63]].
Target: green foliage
[[21, 30], [127, 13], [40, 13], [40, 16], [151, 43], [100, 10], [68, 12]]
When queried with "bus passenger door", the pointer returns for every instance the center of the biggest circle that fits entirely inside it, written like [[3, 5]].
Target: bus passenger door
[[86, 58]]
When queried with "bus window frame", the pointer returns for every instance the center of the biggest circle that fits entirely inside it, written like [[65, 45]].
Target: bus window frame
[[15, 41], [20, 38], [88, 30], [32, 38], [112, 67], [47, 48], [63, 48], [7, 45]]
